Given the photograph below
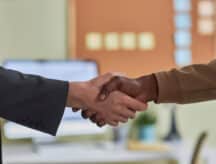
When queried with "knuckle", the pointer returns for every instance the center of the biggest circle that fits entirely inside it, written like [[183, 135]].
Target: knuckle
[[93, 119], [88, 113], [116, 78], [120, 79], [100, 124], [110, 74], [84, 114]]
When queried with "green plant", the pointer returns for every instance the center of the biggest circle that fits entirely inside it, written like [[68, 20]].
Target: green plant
[[146, 118]]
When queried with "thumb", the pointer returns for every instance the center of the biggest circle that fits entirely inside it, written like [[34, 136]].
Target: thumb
[[105, 78], [109, 87], [102, 79]]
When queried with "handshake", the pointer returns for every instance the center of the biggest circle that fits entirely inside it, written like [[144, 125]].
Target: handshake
[[110, 99]]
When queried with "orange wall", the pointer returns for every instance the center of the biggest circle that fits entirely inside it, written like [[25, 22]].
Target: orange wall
[[202, 45], [126, 16], [132, 16]]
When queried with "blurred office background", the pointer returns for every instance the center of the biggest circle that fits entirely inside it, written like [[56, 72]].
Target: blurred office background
[[134, 37]]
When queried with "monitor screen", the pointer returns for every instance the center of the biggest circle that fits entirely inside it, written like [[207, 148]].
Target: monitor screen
[[61, 70]]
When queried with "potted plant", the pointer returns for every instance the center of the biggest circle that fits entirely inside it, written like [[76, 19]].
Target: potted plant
[[145, 124]]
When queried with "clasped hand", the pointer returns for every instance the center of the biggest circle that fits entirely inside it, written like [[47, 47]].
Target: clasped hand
[[109, 99]]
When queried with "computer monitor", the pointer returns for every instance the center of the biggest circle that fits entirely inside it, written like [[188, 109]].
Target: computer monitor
[[72, 123]]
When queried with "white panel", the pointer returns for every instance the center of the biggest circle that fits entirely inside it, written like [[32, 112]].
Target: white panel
[[33, 29], [183, 38], [183, 20], [94, 41], [128, 41], [146, 41], [183, 57], [206, 8], [182, 5], [111, 41], [206, 26]]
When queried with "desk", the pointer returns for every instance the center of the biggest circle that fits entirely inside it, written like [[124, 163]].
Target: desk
[[89, 154]]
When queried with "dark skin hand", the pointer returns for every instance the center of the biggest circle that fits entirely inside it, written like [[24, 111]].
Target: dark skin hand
[[116, 108], [144, 89]]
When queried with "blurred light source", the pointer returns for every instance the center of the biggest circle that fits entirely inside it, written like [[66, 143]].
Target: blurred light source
[[206, 8], [206, 26], [183, 20], [111, 41], [183, 38], [146, 41], [128, 41], [183, 57], [182, 5], [94, 41]]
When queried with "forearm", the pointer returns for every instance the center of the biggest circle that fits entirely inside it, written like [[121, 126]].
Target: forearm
[[32, 101], [193, 83], [77, 94], [149, 87]]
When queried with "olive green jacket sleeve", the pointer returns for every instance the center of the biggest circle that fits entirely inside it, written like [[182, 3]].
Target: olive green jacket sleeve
[[189, 84]]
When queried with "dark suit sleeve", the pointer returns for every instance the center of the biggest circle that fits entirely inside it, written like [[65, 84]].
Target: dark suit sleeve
[[32, 101]]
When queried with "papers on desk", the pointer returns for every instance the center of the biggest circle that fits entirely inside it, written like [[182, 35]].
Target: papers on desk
[[140, 146]]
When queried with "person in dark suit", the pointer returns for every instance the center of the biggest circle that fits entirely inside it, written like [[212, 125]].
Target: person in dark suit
[[39, 103]]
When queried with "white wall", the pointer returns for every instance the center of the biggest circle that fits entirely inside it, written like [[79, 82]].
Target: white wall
[[192, 120], [34, 29]]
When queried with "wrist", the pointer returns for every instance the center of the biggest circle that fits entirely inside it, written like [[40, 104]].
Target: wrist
[[75, 94], [149, 87], [155, 87]]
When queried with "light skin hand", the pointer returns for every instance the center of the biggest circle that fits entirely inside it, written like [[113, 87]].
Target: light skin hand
[[143, 89], [80, 92], [116, 108]]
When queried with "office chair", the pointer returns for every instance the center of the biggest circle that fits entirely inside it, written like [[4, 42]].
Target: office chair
[[198, 147]]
